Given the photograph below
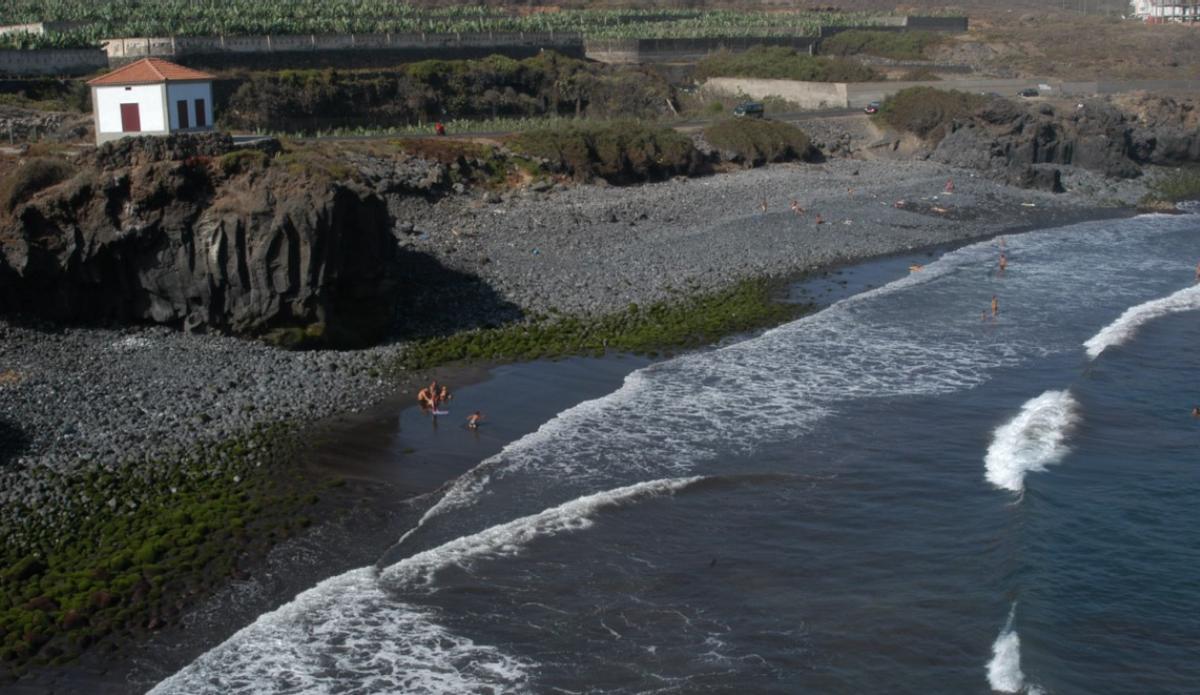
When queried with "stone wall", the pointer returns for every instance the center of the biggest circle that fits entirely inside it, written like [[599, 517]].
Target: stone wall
[[54, 61], [41, 27], [625, 51], [124, 50], [949, 24]]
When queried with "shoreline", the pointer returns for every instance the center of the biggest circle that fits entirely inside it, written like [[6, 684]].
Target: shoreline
[[382, 395]]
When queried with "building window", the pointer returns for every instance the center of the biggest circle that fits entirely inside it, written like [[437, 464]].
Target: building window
[[181, 109], [201, 116]]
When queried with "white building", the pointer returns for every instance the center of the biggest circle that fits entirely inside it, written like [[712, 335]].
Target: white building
[[151, 97], [1161, 11]]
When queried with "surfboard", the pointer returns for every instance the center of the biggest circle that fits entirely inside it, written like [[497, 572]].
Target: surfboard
[[441, 412]]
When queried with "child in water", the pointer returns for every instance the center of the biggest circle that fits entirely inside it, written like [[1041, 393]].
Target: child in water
[[474, 419]]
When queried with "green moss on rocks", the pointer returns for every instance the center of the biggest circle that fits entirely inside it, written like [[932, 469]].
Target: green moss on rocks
[[127, 551], [688, 323]]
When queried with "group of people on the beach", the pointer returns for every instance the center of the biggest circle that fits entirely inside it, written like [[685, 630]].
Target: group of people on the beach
[[435, 395]]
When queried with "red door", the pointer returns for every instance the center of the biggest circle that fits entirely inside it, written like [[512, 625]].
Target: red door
[[201, 117], [182, 111], [131, 118]]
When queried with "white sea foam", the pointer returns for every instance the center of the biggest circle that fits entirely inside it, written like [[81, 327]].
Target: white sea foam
[[348, 635], [506, 540], [1126, 326], [1032, 440], [1004, 670]]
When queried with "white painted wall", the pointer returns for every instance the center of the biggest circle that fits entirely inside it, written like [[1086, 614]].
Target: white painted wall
[[148, 97], [189, 91]]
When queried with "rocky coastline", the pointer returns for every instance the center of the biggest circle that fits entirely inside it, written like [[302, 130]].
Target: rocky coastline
[[132, 402]]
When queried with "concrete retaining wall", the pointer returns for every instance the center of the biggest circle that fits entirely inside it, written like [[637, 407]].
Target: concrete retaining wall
[[809, 95], [854, 95], [52, 61]]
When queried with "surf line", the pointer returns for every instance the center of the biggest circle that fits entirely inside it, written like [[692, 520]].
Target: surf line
[[507, 539], [1128, 323]]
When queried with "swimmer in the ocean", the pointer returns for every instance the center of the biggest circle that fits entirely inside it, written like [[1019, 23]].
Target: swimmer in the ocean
[[474, 420], [995, 306], [1003, 262]]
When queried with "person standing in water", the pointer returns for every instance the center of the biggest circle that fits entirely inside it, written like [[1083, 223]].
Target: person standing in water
[[1003, 262], [995, 306], [474, 420]]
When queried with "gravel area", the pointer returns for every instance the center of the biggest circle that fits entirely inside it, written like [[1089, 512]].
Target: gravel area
[[73, 397], [592, 249]]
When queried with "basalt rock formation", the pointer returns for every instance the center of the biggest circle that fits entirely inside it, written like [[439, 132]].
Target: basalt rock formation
[[186, 231], [1019, 142]]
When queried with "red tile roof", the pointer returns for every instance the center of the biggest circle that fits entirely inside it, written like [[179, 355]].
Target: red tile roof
[[149, 71]]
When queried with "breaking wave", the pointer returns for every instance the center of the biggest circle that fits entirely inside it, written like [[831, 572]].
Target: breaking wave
[[1004, 670], [343, 631], [1032, 440], [506, 540], [1127, 325]]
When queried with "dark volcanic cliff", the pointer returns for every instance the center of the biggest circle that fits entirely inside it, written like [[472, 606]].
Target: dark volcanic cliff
[[182, 231], [1115, 139]]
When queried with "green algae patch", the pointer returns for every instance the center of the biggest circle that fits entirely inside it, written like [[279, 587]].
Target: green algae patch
[[125, 552], [685, 324]]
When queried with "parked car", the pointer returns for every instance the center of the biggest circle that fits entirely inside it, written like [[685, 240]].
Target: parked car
[[872, 107], [752, 109], [1028, 92]]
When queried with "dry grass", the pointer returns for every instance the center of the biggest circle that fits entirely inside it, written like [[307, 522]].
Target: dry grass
[[1073, 46]]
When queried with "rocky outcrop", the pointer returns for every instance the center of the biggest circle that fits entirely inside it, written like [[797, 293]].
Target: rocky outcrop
[[1015, 141], [158, 231]]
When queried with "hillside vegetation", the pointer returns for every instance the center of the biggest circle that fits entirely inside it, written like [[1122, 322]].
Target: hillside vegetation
[[928, 112], [546, 85], [781, 63], [757, 142], [885, 44], [618, 152]]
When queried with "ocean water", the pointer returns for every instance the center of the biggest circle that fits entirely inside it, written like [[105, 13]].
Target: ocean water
[[896, 494]]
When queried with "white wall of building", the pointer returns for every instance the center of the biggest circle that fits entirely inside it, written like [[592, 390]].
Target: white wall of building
[[190, 92], [148, 97]]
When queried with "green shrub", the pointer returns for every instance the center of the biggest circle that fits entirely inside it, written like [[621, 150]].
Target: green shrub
[[241, 161], [1177, 186], [782, 63], [928, 112], [618, 151], [34, 175], [757, 142], [885, 44]]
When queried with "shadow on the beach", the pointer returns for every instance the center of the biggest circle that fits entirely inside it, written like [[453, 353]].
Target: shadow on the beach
[[436, 300], [13, 443]]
